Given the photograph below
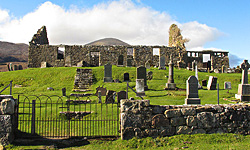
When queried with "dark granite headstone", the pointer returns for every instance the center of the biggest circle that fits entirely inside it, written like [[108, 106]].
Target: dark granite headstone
[[64, 91], [192, 91], [204, 82], [212, 82], [102, 89], [110, 97], [108, 73], [126, 77], [121, 95], [142, 74]]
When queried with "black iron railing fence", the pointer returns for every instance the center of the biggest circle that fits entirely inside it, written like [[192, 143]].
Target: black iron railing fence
[[64, 117]]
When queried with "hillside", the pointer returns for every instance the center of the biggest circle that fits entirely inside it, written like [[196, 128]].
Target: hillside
[[108, 41], [11, 52], [34, 81]]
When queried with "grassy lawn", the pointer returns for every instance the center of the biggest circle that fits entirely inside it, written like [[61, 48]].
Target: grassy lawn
[[198, 141], [35, 81]]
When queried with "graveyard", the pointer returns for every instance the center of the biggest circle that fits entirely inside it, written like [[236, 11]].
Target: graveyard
[[35, 81]]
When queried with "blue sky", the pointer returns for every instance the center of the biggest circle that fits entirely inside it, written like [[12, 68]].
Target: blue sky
[[213, 24]]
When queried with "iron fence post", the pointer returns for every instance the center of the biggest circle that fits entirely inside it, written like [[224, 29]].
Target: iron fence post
[[127, 91], [218, 97], [33, 118], [11, 87]]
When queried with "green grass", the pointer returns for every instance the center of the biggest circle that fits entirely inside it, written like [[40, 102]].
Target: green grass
[[35, 81], [198, 141]]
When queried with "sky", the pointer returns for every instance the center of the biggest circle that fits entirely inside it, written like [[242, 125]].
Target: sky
[[214, 24]]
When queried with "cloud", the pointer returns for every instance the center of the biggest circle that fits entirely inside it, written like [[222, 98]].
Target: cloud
[[234, 60], [124, 19]]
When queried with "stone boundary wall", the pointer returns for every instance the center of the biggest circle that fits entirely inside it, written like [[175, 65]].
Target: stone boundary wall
[[140, 119], [7, 119]]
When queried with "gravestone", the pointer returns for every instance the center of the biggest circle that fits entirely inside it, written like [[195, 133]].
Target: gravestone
[[64, 91], [149, 75], [20, 67], [142, 74], [194, 63], [140, 87], [11, 67], [162, 63], [244, 88], [227, 86], [204, 82], [216, 70], [120, 61], [110, 97], [8, 66], [212, 82], [192, 91], [129, 62], [102, 90], [171, 85], [126, 77], [121, 95], [44, 64], [99, 94], [196, 75], [147, 65], [108, 73]]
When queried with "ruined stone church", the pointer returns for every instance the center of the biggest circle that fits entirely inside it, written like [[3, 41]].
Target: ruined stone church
[[121, 54]]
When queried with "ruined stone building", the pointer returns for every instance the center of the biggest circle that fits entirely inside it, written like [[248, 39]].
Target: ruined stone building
[[121, 55]]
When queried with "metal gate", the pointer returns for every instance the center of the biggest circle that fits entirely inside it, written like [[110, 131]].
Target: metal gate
[[62, 117]]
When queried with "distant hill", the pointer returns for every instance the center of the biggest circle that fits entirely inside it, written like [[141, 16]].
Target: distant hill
[[108, 41], [11, 52]]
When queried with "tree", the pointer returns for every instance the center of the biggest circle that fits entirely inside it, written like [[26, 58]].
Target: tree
[[175, 37]]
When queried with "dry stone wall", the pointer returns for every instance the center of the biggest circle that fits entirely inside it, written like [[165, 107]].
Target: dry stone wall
[[140, 119], [7, 119]]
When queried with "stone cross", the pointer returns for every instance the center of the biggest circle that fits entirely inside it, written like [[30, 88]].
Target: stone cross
[[171, 70], [244, 66]]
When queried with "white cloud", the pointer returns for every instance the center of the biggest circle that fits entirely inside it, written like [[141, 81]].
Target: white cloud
[[4, 16], [134, 24]]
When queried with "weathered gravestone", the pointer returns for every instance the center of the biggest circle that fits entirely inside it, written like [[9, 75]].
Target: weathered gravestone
[[126, 77], [68, 61], [244, 87], [140, 87], [196, 75], [142, 74], [212, 82], [80, 64], [121, 95], [44, 64], [108, 73], [192, 91], [227, 86], [171, 85], [194, 63], [129, 62], [162, 63], [110, 97], [64, 91], [223, 69], [102, 90]]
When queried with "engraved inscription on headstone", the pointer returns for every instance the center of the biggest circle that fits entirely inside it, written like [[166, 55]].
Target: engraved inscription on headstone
[[141, 74], [227, 86], [192, 91]]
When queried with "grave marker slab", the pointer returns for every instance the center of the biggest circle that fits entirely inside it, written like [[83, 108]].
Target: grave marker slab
[[102, 89], [227, 86], [126, 77], [147, 65], [140, 87], [108, 73], [121, 95], [162, 62], [44, 64], [142, 74], [212, 82], [192, 91], [110, 97]]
